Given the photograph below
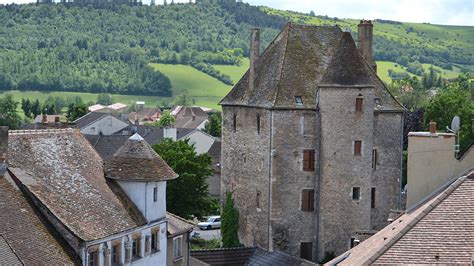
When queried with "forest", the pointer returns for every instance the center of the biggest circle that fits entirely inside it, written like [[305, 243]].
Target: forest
[[107, 49]]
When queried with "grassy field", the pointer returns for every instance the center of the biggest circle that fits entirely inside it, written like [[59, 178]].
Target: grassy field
[[234, 72]]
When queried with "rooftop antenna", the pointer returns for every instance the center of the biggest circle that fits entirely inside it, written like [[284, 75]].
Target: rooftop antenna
[[455, 127]]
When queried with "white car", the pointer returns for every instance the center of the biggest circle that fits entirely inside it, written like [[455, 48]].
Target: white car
[[211, 223]]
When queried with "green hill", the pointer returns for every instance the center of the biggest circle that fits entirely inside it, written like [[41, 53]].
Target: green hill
[[92, 49]]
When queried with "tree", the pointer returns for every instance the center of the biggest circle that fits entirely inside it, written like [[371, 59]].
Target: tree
[[453, 100], [187, 195], [75, 110], [104, 99], [35, 108], [213, 126], [230, 223], [166, 120], [8, 115], [26, 107], [182, 99]]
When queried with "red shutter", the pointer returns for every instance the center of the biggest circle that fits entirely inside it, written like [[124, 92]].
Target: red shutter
[[311, 200], [305, 200], [308, 160], [357, 147], [359, 103]]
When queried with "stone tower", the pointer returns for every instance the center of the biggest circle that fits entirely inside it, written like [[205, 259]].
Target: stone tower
[[312, 150]]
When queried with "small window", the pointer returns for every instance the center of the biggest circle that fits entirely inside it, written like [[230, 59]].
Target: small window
[[308, 160], [177, 247], [372, 198], [359, 104], [306, 249], [136, 248], [155, 194], [357, 147], [235, 123], [352, 242], [258, 124], [115, 256], [298, 100], [259, 199], [356, 193], [307, 200], [374, 159], [93, 258], [155, 241]]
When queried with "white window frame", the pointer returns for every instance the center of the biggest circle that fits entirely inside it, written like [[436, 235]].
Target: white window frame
[[178, 253]]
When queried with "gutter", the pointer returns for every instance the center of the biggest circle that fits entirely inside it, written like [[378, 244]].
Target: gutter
[[270, 192], [318, 173], [402, 126]]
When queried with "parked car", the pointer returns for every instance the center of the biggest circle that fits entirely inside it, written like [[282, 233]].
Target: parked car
[[211, 223]]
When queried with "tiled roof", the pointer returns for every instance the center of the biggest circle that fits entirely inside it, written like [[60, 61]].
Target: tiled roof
[[190, 117], [178, 225], [65, 174], [301, 58], [49, 118], [89, 118], [136, 160], [440, 230], [23, 233], [276, 258]]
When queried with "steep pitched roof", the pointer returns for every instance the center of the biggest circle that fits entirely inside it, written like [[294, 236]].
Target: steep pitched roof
[[440, 230], [22, 234], [301, 58], [89, 118], [137, 161], [190, 117], [178, 225], [66, 175]]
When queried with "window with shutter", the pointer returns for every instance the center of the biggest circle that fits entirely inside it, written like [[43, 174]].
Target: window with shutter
[[306, 249], [356, 193], [357, 147], [308, 160], [307, 200], [359, 104]]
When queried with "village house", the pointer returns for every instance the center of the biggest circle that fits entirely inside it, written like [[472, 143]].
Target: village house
[[144, 115], [311, 142], [97, 215], [190, 117], [97, 123]]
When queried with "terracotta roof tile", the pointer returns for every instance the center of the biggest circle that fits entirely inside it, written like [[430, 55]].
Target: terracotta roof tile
[[178, 225], [136, 160], [63, 171]]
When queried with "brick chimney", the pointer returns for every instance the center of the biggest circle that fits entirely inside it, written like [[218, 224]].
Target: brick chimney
[[3, 149], [432, 127], [254, 54], [365, 35]]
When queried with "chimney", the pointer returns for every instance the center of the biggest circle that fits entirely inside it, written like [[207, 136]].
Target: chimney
[[254, 54], [432, 127], [56, 119], [3, 149], [170, 133], [365, 33], [45, 119]]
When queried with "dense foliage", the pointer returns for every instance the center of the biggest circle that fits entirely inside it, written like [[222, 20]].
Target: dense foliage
[[230, 223], [214, 126], [8, 114], [187, 195]]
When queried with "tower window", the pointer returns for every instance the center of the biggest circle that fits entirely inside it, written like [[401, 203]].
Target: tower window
[[357, 147], [259, 196], [374, 159], [307, 200], [372, 198], [359, 104], [308, 160], [258, 124], [306, 249], [155, 194], [235, 122], [298, 100], [356, 193]]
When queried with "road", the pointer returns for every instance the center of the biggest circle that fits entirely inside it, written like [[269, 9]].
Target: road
[[208, 234]]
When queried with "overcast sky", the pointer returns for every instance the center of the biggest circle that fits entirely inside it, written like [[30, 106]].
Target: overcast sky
[[450, 12]]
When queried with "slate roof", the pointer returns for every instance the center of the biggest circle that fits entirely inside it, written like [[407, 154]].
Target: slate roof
[[439, 231], [178, 225], [66, 175], [247, 256], [190, 117], [22, 234], [107, 145], [136, 160], [89, 118], [300, 59]]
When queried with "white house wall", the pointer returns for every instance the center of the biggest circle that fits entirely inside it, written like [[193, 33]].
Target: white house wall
[[141, 193], [107, 125], [202, 142]]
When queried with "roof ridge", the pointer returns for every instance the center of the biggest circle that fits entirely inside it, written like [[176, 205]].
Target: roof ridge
[[280, 74], [39, 131], [180, 218], [442, 196]]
